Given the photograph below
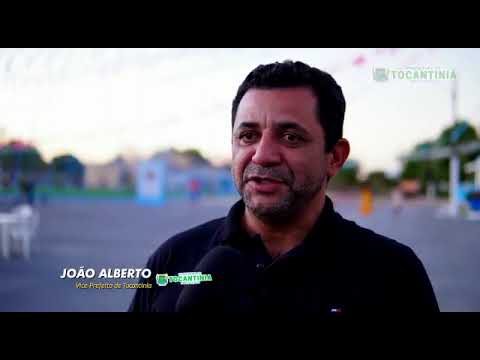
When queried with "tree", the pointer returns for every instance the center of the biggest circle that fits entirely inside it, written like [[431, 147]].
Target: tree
[[438, 170], [68, 170], [347, 177], [17, 158], [461, 132], [380, 182], [195, 155]]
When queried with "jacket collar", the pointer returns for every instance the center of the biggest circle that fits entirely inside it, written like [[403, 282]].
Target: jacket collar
[[231, 230]]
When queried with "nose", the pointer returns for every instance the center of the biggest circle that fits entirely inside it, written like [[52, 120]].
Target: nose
[[267, 152]]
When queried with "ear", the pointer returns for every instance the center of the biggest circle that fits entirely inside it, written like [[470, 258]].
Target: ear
[[337, 157]]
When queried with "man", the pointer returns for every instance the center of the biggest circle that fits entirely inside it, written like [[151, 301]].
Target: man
[[27, 187], [282, 247]]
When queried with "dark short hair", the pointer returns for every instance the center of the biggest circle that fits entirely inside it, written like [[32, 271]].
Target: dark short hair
[[330, 99]]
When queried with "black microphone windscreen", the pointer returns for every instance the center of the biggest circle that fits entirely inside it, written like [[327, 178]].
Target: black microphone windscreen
[[232, 276]]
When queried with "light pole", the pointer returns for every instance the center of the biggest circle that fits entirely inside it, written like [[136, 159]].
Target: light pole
[[454, 157]]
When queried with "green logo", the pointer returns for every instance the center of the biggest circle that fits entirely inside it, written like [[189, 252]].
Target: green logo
[[413, 73], [186, 278], [162, 279], [380, 74]]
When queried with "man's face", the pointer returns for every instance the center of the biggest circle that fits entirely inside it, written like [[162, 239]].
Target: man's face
[[279, 162]]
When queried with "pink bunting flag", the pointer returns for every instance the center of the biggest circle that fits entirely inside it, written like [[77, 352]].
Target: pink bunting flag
[[359, 60]]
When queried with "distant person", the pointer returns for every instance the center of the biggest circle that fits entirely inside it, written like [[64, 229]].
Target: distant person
[[194, 188], [366, 200], [397, 200], [282, 248], [27, 187]]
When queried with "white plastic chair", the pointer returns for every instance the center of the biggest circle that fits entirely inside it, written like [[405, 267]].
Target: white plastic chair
[[24, 228]]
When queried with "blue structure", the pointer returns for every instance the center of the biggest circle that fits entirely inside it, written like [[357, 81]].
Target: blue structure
[[151, 182]]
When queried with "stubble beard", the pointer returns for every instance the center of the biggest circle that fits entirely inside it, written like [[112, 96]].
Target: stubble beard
[[291, 203]]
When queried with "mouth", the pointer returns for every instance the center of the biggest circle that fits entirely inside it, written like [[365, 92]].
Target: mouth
[[264, 185], [264, 180]]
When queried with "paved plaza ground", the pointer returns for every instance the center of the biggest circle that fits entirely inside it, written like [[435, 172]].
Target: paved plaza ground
[[122, 234]]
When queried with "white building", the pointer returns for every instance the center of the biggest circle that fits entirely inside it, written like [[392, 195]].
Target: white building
[[116, 174]]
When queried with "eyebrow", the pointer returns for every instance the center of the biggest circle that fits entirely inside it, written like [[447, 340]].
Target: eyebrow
[[283, 125], [247, 125], [287, 125]]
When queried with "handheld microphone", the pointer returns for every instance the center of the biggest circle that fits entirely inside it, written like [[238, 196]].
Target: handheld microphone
[[233, 277]]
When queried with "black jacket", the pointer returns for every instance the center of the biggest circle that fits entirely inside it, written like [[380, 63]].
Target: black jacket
[[340, 267]]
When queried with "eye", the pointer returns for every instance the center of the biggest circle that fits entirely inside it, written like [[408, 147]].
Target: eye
[[247, 137], [292, 138]]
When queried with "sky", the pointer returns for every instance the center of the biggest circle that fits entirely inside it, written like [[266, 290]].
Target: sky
[[98, 103]]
